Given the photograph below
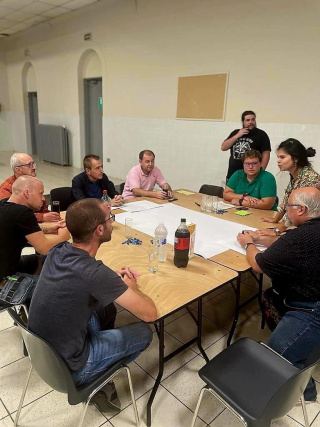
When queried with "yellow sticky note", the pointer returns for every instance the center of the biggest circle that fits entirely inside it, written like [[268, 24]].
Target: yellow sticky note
[[185, 192]]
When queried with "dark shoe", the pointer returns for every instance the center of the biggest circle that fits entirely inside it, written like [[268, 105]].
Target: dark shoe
[[107, 399]]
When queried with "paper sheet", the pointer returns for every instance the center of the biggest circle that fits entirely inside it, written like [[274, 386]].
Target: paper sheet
[[212, 234]]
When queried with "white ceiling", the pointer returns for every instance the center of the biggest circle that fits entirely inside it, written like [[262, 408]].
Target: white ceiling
[[17, 15]]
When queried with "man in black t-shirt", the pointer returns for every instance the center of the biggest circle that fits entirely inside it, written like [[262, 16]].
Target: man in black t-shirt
[[292, 263], [18, 226], [248, 138], [68, 305]]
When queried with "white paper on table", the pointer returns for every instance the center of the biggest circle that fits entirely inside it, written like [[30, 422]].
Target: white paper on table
[[210, 230], [140, 206], [232, 243], [223, 205]]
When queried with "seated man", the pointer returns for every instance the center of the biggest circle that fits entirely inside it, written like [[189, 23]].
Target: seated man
[[142, 178], [23, 164], [92, 182], [68, 307], [292, 263], [252, 186], [18, 226]]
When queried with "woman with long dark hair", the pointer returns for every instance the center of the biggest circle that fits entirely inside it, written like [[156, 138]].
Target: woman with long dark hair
[[293, 157]]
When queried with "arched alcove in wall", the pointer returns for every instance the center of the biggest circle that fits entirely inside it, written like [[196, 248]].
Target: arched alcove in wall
[[30, 102], [90, 76]]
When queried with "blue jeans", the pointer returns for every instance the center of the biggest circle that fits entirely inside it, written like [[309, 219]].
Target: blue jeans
[[106, 347], [296, 335]]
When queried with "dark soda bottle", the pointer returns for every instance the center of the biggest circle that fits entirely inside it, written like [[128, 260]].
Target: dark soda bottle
[[181, 245]]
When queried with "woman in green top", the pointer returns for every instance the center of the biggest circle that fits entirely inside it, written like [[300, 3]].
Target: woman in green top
[[293, 157]]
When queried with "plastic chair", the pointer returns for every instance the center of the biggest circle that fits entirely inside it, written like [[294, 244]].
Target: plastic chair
[[63, 195], [212, 190], [121, 187], [53, 370], [256, 383]]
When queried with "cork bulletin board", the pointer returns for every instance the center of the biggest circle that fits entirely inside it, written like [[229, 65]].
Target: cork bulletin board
[[202, 97]]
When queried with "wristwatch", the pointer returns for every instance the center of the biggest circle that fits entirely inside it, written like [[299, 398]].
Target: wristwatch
[[247, 245], [277, 231], [242, 198]]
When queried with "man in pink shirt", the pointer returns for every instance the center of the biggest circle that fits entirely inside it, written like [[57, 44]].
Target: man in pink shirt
[[142, 178]]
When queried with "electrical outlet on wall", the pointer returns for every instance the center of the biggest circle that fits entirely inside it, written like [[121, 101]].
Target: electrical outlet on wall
[[108, 160]]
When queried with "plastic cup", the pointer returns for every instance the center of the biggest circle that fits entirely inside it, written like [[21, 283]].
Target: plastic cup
[[128, 228]]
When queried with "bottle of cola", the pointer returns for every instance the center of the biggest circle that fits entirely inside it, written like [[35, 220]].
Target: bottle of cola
[[181, 245]]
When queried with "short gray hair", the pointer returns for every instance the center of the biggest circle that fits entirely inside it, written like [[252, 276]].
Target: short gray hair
[[310, 201], [14, 161]]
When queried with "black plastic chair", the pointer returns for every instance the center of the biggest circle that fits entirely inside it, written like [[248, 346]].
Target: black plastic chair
[[256, 383], [121, 187], [63, 195], [53, 370], [212, 190]]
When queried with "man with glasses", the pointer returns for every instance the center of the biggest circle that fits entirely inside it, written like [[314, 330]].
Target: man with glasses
[[72, 307], [92, 182], [23, 164], [292, 263], [252, 186], [249, 137]]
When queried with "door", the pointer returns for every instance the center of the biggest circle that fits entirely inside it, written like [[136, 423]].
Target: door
[[93, 116], [33, 119]]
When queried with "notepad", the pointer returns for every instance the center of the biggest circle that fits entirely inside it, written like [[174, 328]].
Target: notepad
[[243, 213], [185, 192]]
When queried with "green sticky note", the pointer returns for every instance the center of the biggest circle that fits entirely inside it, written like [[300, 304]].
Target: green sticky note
[[243, 213]]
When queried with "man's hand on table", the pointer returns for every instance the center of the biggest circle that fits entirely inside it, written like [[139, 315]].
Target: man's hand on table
[[54, 228], [246, 237], [117, 200], [51, 217], [128, 276], [160, 194]]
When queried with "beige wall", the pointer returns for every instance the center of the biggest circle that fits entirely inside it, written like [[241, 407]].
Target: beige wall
[[269, 48]]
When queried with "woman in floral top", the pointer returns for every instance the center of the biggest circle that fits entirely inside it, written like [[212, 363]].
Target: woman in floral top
[[293, 157]]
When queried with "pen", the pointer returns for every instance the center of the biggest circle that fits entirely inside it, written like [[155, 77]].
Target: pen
[[197, 204]]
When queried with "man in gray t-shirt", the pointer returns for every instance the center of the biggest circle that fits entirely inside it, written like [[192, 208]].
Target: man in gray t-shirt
[[73, 301]]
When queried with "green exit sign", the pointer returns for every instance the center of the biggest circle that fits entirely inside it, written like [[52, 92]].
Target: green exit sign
[[100, 103]]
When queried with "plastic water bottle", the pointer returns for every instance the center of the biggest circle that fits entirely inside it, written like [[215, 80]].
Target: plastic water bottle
[[160, 235], [181, 245], [105, 198]]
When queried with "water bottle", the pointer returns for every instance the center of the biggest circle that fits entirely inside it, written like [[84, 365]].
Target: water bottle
[[181, 245], [160, 235], [105, 198]]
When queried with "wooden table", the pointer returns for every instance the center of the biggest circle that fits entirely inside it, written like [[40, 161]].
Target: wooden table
[[230, 258], [171, 288]]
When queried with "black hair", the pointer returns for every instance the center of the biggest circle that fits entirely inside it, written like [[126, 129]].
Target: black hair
[[297, 151]]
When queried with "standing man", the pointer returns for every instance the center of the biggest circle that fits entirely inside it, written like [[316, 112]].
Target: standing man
[[92, 182], [248, 138], [23, 165], [142, 178], [292, 263], [68, 307], [18, 226]]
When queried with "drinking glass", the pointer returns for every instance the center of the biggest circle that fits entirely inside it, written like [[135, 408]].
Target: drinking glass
[[128, 228], [153, 256], [56, 206], [203, 202]]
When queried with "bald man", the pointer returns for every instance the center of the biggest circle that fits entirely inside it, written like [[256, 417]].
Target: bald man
[[18, 226], [23, 165], [292, 263]]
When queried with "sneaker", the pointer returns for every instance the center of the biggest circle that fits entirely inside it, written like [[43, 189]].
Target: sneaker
[[107, 399]]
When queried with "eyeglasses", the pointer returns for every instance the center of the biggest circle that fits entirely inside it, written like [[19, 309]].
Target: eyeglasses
[[290, 204], [251, 164], [111, 219], [29, 165]]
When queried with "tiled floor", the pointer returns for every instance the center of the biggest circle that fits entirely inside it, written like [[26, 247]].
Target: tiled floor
[[180, 387]]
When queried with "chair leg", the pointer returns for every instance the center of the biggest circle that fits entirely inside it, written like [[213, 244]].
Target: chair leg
[[134, 403], [85, 407], [22, 397], [198, 406], [304, 409]]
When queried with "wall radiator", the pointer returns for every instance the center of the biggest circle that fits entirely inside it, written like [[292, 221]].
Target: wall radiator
[[52, 144]]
